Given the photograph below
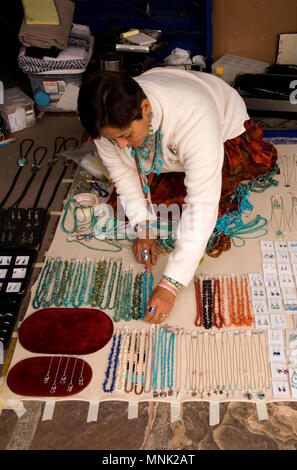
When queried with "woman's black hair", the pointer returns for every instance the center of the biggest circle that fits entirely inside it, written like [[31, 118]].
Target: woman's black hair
[[109, 98]]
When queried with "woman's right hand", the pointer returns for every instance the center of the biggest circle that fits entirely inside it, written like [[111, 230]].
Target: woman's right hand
[[148, 244]]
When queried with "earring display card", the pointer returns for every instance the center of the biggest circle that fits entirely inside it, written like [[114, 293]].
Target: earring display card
[[290, 306], [262, 321], [275, 338], [15, 268], [281, 246], [266, 245], [282, 256], [291, 339], [271, 280], [259, 306], [276, 354], [292, 246], [281, 389], [275, 305], [256, 280], [278, 321], [289, 293], [8, 315], [23, 227], [284, 268], [268, 255], [279, 371], [269, 268]]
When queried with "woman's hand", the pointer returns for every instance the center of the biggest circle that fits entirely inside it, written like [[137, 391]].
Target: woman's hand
[[145, 244], [162, 301]]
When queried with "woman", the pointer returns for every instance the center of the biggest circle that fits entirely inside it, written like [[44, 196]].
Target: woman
[[170, 121]]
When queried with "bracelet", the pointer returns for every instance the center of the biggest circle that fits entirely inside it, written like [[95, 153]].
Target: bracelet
[[176, 284], [166, 286]]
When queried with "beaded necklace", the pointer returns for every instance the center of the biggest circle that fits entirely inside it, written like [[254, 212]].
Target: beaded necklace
[[188, 371], [163, 362], [140, 364], [112, 363], [111, 285], [199, 316], [149, 360], [118, 287], [59, 299], [132, 361], [36, 301], [193, 362], [179, 357], [146, 176], [170, 364], [83, 289], [156, 364], [72, 267], [124, 343]]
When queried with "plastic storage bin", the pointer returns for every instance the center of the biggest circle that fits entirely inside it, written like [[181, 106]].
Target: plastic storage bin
[[229, 65], [57, 90], [17, 110]]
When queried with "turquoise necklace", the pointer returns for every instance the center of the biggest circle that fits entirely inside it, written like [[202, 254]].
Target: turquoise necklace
[[163, 362], [157, 161], [170, 364]]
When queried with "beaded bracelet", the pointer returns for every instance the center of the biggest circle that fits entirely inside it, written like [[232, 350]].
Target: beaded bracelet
[[168, 287]]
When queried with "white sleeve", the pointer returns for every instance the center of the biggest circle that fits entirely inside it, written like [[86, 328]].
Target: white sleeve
[[126, 180], [201, 151]]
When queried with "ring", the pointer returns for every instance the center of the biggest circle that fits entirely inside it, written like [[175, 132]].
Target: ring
[[152, 310], [165, 315], [144, 254]]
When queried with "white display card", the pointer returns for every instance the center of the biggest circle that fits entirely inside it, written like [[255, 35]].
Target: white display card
[[5, 260], [266, 245], [284, 268], [289, 293], [271, 280], [291, 339], [13, 287], [3, 273], [282, 256], [281, 245], [262, 322], [269, 268], [279, 371], [269, 255], [258, 293], [256, 280], [292, 246], [281, 389], [290, 306], [275, 338], [259, 306], [276, 354], [275, 305], [274, 293], [22, 260], [19, 273], [286, 280], [278, 321]]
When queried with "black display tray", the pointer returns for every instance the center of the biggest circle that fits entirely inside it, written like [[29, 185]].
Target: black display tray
[[22, 227], [9, 310]]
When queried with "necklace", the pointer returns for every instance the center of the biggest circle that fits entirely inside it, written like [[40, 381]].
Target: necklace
[[170, 365], [147, 176], [149, 362]]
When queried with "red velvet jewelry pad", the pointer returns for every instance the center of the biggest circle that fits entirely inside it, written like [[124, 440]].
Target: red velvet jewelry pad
[[27, 376], [66, 331]]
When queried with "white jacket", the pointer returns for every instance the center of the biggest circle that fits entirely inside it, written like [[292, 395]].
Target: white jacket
[[197, 112]]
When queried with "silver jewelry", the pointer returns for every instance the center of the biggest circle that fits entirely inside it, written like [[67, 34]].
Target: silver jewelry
[[151, 310], [144, 254]]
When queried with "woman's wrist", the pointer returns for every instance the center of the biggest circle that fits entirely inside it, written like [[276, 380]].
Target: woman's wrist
[[168, 287], [175, 284]]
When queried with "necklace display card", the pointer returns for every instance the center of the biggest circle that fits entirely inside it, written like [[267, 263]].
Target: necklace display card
[[22, 227], [8, 315], [15, 267]]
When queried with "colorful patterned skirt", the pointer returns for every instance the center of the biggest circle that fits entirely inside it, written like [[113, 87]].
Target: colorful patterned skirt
[[247, 157]]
